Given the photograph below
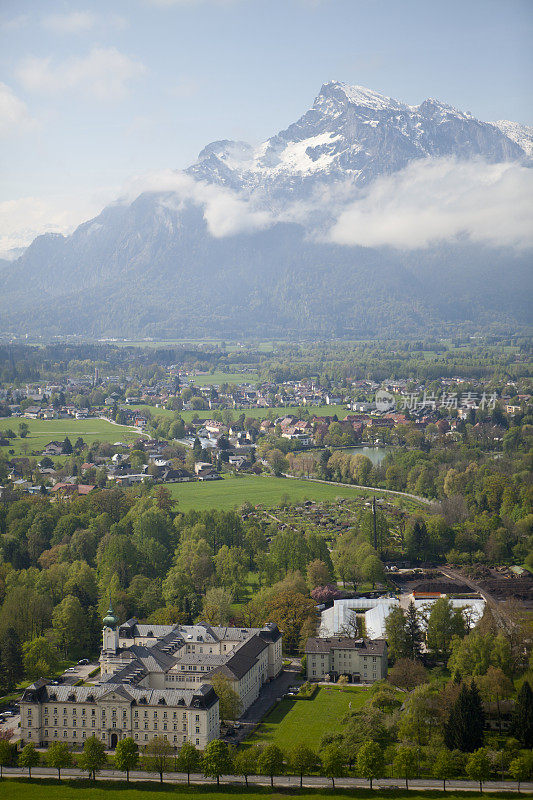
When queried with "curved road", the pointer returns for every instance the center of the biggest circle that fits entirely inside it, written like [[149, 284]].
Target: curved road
[[414, 497]]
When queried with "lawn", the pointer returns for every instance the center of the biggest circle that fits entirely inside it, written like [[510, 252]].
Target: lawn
[[305, 721], [234, 492], [43, 431], [81, 789]]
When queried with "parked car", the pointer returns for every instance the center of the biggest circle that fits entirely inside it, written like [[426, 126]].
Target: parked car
[[83, 661]]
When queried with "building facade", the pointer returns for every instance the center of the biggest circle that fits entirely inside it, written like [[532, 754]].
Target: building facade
[[361, 660], [155, 681]]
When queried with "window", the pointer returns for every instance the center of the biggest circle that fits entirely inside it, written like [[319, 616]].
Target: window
[[197, 729]]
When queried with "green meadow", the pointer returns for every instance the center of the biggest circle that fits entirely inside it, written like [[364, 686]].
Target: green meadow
[[43, 431], [268, 491], [254, 413]]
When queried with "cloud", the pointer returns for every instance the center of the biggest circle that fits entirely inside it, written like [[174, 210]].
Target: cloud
[[80, 22], [225, 212], [103, 73], [27, 217], [433, 201], [13, 112]]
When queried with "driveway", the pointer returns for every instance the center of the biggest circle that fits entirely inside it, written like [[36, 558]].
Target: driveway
[[270, 695]]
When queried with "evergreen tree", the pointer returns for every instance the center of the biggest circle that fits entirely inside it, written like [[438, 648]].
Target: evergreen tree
[[66, 447], [11, 664], [413, 632], [522, 723], [464, 728]]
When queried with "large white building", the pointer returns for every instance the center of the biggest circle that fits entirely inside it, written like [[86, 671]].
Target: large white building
[[155, 680], [341, 618]]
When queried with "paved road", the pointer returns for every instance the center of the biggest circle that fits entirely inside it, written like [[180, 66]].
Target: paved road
[[279, 781]]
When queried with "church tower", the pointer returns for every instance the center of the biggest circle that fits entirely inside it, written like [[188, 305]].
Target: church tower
[[110, 631]]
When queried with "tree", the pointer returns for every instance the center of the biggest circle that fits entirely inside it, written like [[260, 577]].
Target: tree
[[229, 701], [156, 757], [522, 721], [466, 721], [318, 573], [444, 767], [7, 755], [93, 756], [59, 757], [216, 606], [519, 770], [29, 757], [444, 623], [188, 759], [70, 622], [11, 664], [245, 762], [413, 632], [126, 755], [303, 761], [370, 761], [494, 687], [66, 447], [333, 762], [478, 767], [405, 762], [216, 760], [396, 633], [270, 762], [39, 657], [290, 610], [407, 674]]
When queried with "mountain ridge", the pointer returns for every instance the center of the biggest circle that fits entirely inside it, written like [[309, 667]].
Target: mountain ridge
[[244, 231]]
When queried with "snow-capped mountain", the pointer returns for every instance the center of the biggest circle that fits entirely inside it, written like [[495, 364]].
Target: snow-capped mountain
[[522, 135], [258, 238], [355, 133]]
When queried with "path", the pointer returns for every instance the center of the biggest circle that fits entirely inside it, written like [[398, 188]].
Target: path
[[414, 497], [280, 781]]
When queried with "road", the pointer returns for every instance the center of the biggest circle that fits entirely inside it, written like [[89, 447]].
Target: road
[[487, 596], [280, 781]]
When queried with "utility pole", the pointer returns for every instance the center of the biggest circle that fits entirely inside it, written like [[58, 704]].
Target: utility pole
[[375, 523]]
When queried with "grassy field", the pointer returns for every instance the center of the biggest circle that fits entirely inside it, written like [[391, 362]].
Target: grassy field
[[43, 431], [233, 492], [254, 413], [305, 721], [103, 790]]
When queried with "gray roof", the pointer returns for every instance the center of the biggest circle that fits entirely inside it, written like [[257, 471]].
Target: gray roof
[[203, 696], [244, 658], [372, 647]]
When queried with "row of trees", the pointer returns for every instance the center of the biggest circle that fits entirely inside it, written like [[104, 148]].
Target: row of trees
[[218, 759]]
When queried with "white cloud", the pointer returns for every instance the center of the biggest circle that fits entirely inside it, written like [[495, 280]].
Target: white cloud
[[23, 219], [225, 212], [103, 73], [431, 201], [13, 112], [73, 22]]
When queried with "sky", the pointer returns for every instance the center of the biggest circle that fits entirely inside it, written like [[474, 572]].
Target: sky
[[93, 94]]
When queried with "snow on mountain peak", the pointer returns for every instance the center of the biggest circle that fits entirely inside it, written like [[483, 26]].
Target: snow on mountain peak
[[355, 95], [521, 134]]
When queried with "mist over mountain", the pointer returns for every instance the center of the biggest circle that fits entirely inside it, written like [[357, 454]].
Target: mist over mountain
[[365, 217]]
